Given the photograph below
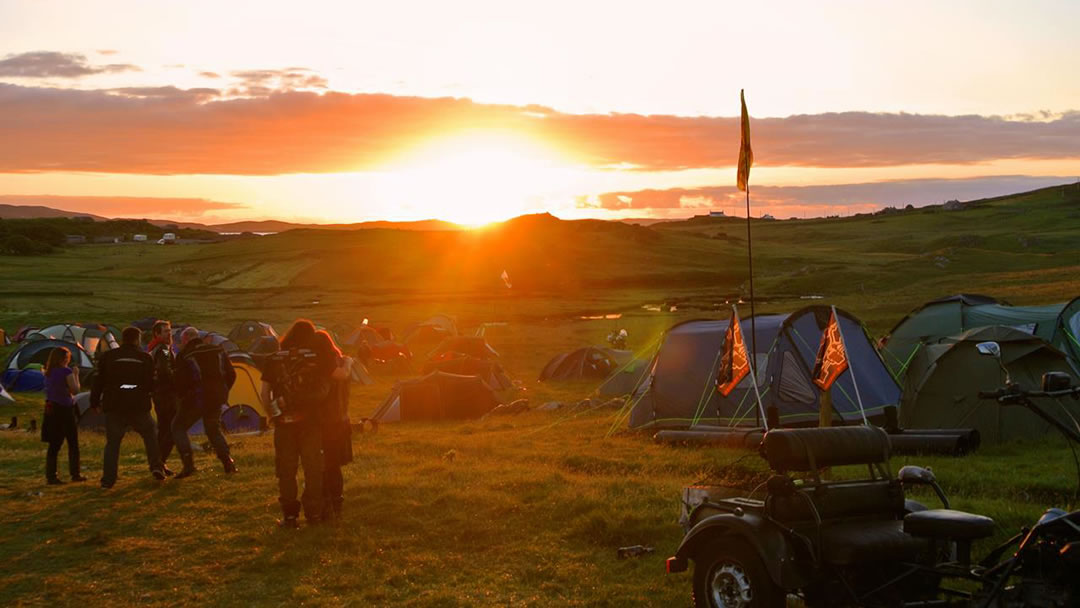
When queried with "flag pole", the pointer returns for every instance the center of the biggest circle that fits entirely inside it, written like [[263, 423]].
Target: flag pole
[[851, 368]]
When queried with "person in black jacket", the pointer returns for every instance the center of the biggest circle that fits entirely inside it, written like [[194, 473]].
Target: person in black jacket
[[160, 349], [203, 376], [122, 388], [297, 383]]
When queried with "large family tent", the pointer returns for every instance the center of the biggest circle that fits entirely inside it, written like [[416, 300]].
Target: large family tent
[[93, 338], [591, 362], [245, 334], [680, 389], [487, 370], [437, 396], [22, 371], [1057, 324], [943, 381]]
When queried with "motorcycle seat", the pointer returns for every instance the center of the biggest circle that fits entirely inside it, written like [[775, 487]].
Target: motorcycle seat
[[850, 543], [947, 523]]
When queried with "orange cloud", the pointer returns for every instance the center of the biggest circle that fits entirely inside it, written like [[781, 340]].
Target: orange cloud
[[786, 201], [164, 130]]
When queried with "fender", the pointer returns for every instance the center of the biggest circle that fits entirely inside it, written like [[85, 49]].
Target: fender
[[775, 550]]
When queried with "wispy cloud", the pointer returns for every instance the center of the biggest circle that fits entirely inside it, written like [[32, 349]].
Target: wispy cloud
[[272, 129], [786, 201], [51, 64]]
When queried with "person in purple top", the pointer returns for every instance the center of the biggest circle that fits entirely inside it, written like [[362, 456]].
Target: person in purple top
[[59, 423]]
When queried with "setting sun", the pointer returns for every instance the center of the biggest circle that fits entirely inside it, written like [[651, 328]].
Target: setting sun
[[476, 178]]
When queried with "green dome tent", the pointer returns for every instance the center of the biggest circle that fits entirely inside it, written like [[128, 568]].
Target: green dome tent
[[1056, 324], [943, 380]]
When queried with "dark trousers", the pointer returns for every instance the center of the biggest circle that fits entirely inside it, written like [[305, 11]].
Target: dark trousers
[[296, 443], [116, 426], [165, 409], [333, 488], [211, 418], [66, 429]]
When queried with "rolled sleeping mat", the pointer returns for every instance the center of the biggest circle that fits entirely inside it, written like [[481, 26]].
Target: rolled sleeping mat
[[945, 442]]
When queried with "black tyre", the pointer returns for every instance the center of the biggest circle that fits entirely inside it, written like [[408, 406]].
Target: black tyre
[[729, 574]]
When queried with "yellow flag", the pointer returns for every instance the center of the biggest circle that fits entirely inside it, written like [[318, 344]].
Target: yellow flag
[[746, 155]]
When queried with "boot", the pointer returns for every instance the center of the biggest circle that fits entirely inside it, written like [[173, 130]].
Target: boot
[[165, 469], [188, 469], [229, 464]]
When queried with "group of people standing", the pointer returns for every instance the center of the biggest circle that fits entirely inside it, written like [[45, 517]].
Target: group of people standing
[[305, 386]]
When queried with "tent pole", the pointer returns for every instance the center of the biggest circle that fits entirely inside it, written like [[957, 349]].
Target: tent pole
[[851, 368]]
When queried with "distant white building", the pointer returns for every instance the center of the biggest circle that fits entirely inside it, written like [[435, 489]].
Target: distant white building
[[139, 237], [717, 214], [767, 217]]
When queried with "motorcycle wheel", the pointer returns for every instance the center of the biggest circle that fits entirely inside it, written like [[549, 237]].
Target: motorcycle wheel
[[730, 574]]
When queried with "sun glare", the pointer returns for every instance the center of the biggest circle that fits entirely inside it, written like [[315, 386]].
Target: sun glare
[[475, 179]]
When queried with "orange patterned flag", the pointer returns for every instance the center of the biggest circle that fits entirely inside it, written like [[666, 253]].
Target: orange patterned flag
[[746, 155], [735, 364], [832, 358]]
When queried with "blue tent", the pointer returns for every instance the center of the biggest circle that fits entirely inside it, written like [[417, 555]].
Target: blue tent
[[23, 380], [680, 391]]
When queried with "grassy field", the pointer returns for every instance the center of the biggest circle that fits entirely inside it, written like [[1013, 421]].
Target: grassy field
[[526, 510]]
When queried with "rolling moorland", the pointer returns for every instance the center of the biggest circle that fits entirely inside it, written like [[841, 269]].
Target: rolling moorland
[[525, 510]]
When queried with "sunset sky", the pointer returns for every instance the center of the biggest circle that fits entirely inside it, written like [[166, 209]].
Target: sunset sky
[[478, 111]]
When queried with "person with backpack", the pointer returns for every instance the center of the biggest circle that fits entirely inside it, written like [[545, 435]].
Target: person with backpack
[[297, 383], [122, 388], [203, 376], [160, 349], [59, 423], [336, 428]]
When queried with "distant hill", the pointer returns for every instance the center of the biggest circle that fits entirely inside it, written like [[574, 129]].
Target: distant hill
[[24, 212], [279, 226], [39, 211]]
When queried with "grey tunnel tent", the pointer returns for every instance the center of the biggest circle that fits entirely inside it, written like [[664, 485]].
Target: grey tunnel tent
[[942, 385], [680, 389], [1057, 324]]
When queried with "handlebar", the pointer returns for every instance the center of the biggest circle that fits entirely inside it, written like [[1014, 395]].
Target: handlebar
[[1014, 391]]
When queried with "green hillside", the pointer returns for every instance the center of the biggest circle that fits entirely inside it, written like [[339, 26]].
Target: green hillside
[[511, 511]]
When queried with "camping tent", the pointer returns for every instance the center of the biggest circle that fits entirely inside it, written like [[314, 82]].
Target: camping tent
[[373, 346], [93, 338], [4, 340], [245, 391], [942, 384], [488, 370], [21, 334], [246, 333], [583, 363], [210, 337], [1056, 324], [22, 371], [5, 397], [430, 332], [473, 346], [626, 378], [680, 390], [437, 396]]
